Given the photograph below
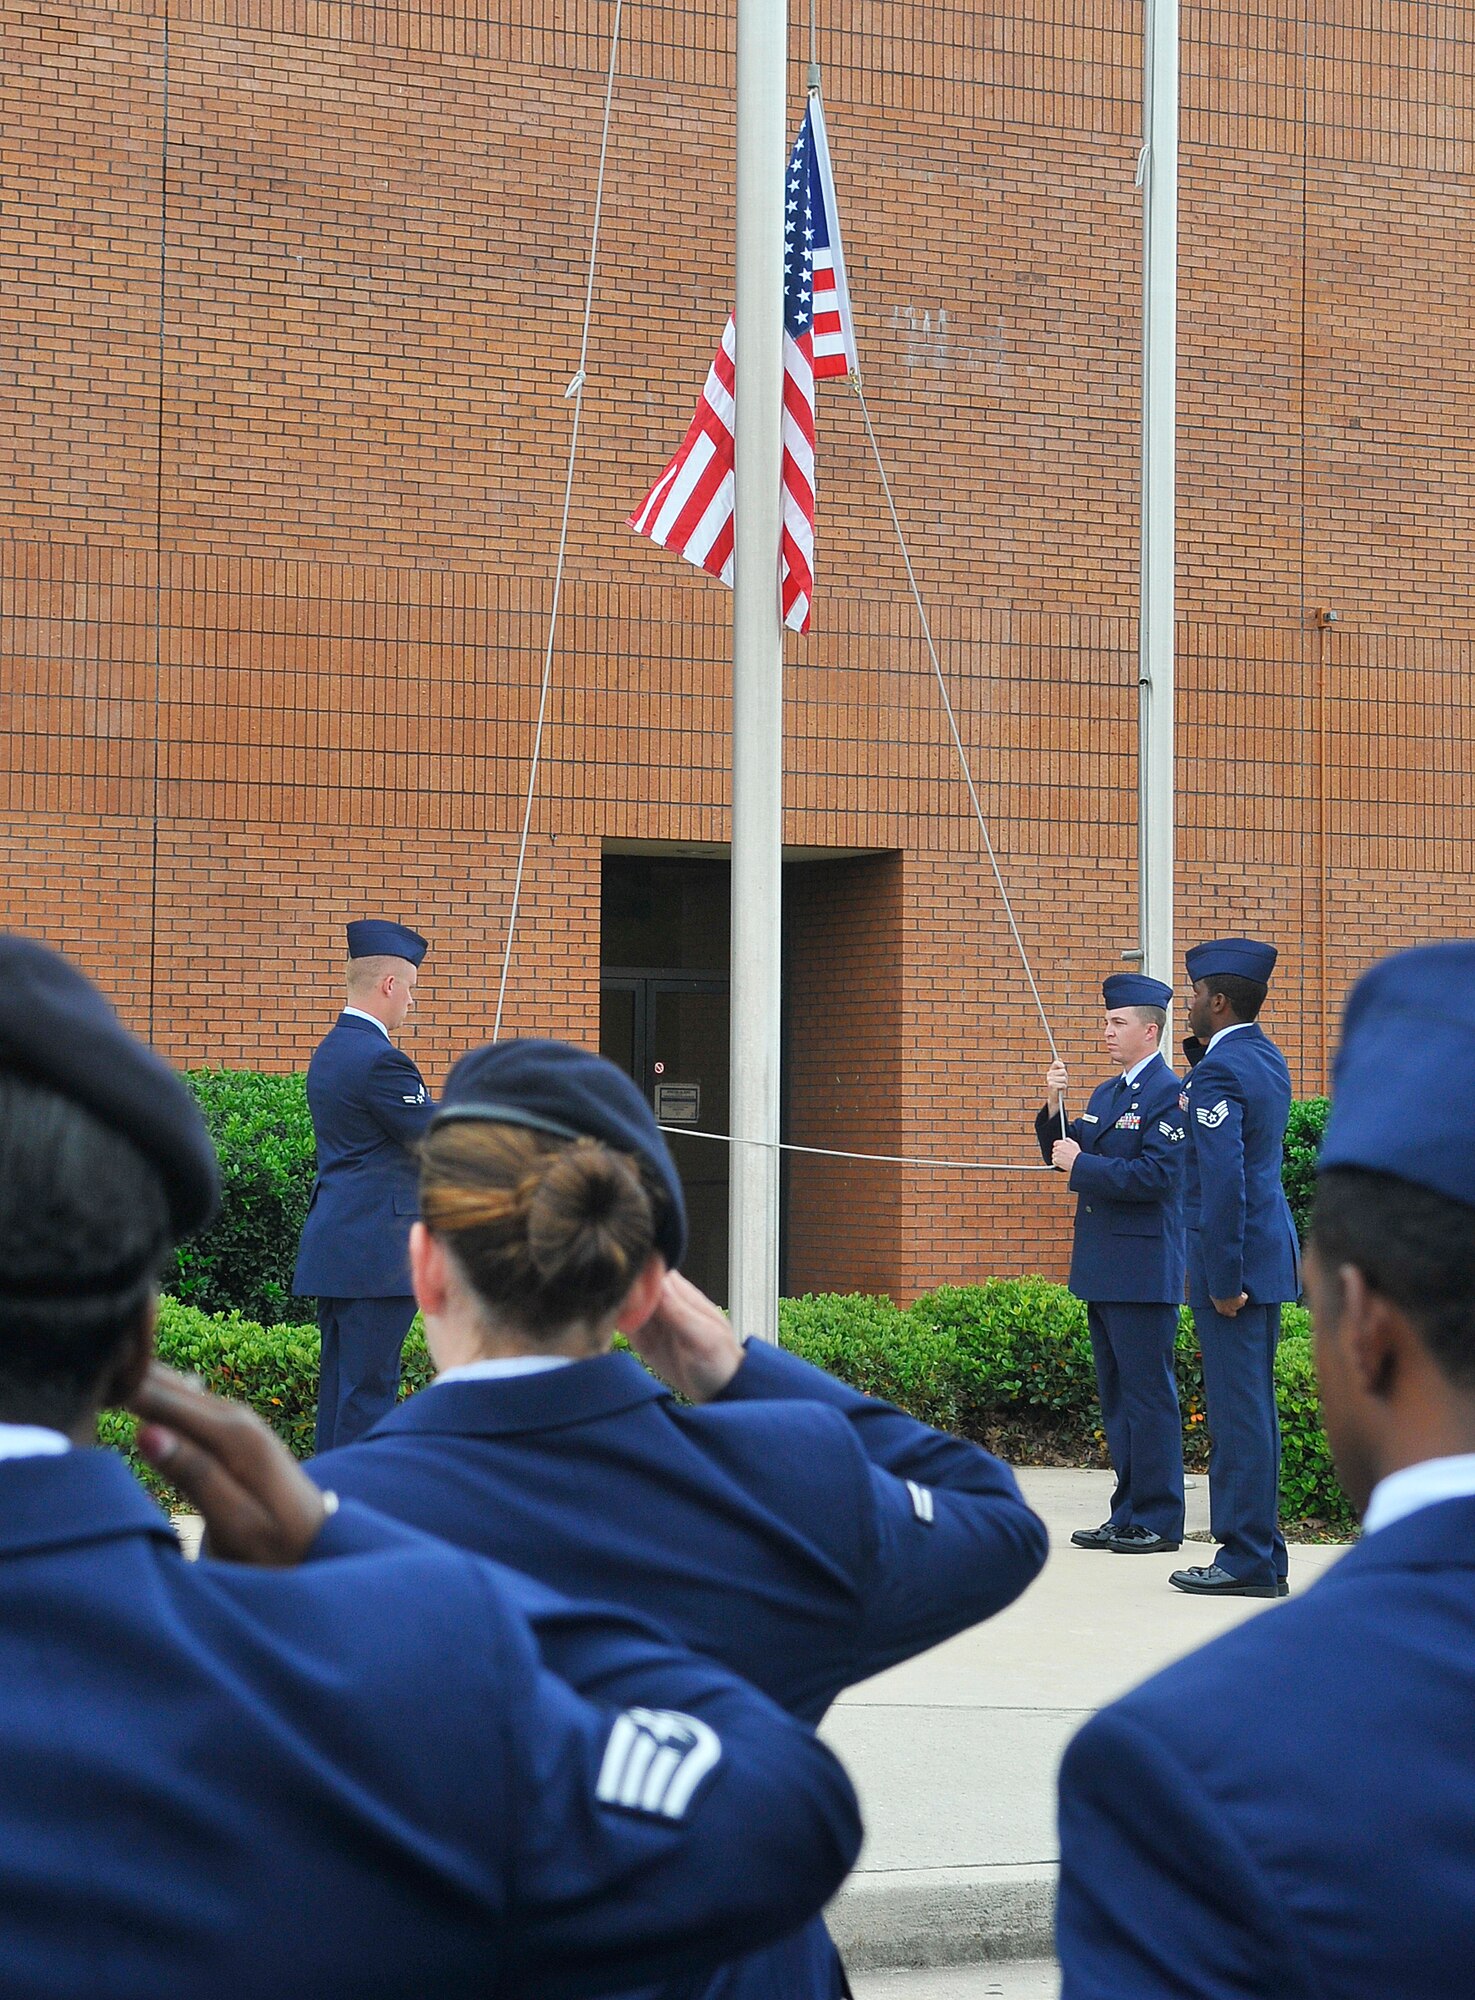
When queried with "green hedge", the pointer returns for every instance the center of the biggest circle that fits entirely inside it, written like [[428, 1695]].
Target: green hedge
[[262, 1131], [263, 1134], [1008, 1362], [1305, 1130]]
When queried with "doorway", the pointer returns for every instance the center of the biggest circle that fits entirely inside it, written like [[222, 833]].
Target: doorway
[[664, 1021]]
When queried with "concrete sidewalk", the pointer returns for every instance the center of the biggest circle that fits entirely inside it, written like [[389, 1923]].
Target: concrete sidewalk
[[955, 1753]]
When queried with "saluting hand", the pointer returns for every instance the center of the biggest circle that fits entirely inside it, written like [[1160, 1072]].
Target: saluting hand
[[258, 1505], [688, 1342], [1057, 1082], [1064, 1154]]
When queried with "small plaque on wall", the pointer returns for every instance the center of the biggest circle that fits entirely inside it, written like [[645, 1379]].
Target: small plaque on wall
[[679, 1103]]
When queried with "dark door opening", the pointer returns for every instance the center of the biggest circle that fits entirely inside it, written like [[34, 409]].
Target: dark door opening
[[669, 1032], [664, 1021]]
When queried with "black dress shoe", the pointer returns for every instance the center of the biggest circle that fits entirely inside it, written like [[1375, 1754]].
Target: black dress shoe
[[1209, 1580], [1138, 1541], [1282, 1586], [1095, 1538]]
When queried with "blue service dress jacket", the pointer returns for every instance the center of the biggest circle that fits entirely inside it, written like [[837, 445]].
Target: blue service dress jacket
[[369, 1108], [395, 1771], [1289, 1814], [1128, 1181], [1241, 1237], [804, 1534]]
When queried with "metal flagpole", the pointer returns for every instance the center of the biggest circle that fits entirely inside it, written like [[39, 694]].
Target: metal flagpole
[[757, 667], [1157, 176]]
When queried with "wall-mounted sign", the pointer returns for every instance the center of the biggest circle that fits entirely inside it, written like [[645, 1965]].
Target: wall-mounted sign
[[679, 1103]]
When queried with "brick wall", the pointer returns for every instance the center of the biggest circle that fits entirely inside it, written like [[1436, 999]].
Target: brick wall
[[282, 471]]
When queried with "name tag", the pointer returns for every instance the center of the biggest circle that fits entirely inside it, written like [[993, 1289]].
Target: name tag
[[1089, 1118]]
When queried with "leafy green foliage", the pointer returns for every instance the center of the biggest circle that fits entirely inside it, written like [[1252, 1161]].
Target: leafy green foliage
[[1008, 1361], [273, 1368], [1305, 1131], [1012, 1360], [243, 1262]]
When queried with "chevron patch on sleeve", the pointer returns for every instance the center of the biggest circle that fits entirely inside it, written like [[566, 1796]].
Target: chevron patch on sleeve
[[654, 1761]]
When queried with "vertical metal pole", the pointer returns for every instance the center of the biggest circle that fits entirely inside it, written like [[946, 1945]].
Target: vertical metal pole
[[1158, 177], [757, 667]]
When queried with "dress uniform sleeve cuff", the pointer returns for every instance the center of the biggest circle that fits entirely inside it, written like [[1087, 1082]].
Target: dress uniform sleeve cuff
[[768, 1372]]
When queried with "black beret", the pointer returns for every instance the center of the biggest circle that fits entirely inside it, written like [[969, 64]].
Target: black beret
[[571, 1093], [57, 1030]]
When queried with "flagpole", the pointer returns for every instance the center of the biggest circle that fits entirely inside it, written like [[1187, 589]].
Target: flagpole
[[757, 668], [1157, 175]]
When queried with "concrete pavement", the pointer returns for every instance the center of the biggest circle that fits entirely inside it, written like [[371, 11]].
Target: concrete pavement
[[1032, 1979], [955, 1753]]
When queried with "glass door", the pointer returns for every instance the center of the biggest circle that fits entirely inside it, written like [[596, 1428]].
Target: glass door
[[669, 1032]]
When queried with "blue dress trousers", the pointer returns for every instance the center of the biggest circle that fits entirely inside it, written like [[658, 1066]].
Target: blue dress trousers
[[1127, 1263], [1289, 1814], [804, 1534], [395, 1771], [369, 1107], [1241, 1238]]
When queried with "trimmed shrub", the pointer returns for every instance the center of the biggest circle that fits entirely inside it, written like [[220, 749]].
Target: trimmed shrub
[[1008, 1362], [875, 1346], [273, 1368], [1305, 1130], [243, 1262]]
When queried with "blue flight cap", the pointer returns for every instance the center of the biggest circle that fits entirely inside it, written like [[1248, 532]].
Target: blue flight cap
[[1242, 957], [1404, 1075], [373, 937], [572, 1093], [57, 1030], [1134, 989]]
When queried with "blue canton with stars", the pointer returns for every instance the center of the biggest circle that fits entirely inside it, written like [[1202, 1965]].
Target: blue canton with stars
[[799, 235]]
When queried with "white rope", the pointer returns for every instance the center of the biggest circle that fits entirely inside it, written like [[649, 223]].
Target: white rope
[[952, 720], [885, 1159], [575, 390]]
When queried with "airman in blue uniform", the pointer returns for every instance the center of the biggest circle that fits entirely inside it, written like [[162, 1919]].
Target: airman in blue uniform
[[804, 1534], [1289, 1814], [1243, 1259], [387, 1770], [1124, 1158], [369, 1109]]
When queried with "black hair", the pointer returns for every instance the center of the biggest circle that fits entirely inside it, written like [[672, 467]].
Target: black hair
[[1245, 996], [1416, 1249], [84, 1233]]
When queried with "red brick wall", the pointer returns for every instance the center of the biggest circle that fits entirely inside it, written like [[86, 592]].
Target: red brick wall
[[276, 564]]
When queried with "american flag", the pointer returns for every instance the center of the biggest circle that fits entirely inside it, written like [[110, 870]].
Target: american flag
[[690, 507]]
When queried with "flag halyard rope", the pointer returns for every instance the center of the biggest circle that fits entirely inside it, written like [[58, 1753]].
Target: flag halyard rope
[[884, 1159], [952, 720], [574, 392]]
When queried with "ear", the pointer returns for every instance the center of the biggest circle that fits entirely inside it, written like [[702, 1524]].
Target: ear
[[644, 1295], [131, 1365], [429, 1270], [1373, 1334]]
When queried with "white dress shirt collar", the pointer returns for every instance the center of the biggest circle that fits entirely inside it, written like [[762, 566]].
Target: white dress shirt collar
[[1419, 1486], [1130, 1076], [32, 1441], [502, 1368], [359, 1015], [1233, 1029]]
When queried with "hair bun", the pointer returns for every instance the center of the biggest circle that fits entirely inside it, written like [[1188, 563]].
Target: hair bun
[[586, 1216]]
